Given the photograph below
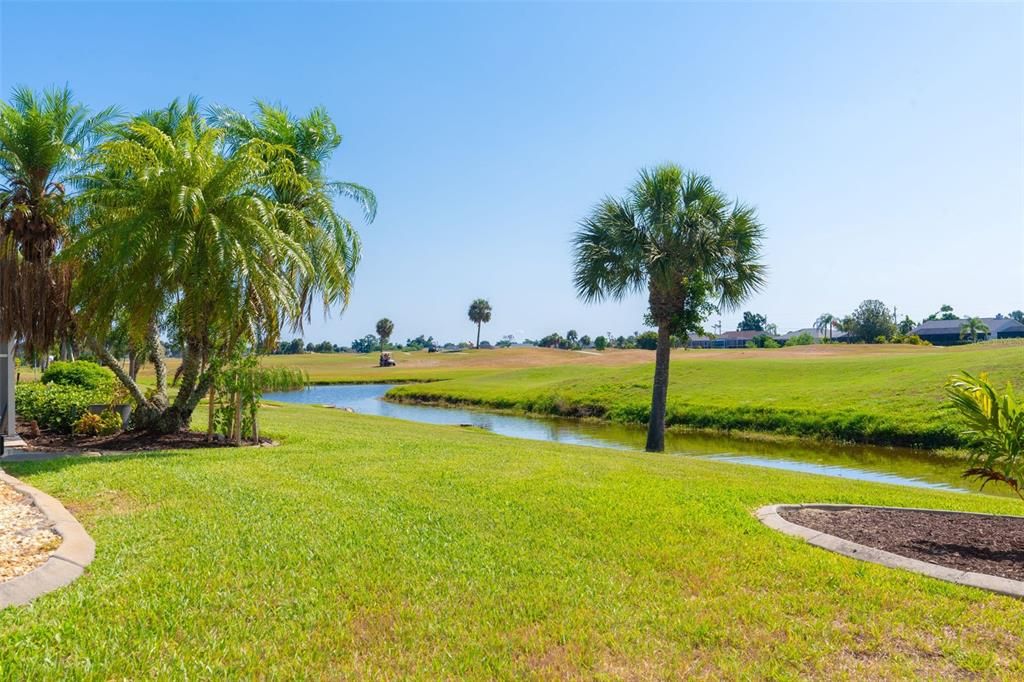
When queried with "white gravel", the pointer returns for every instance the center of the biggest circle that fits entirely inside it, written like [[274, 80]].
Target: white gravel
[[26, 536]]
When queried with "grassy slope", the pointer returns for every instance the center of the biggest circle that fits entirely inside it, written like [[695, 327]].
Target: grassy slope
[[370, 547], [887, 395]]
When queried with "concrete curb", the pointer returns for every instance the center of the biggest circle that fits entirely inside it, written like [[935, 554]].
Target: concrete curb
[[64, 566], [769, 516]]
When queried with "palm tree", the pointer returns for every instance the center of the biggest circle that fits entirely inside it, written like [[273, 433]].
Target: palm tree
[[972, 327], [45, 140], [479, 312], [306, 144], [677, 238], [825, 323], [188, 230], [384, 329]]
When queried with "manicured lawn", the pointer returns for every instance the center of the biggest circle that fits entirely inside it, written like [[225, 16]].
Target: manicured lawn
[[366, 547], [327, 368], [890, 395]]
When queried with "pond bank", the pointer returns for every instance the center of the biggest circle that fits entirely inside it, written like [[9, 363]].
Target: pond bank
[[900, 466]]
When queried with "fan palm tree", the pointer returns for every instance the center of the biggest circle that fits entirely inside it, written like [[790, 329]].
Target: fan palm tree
[[825, 323], [972, 327], [184, 227], [384, 329], [45, 140], [479, 313], [679, 240]]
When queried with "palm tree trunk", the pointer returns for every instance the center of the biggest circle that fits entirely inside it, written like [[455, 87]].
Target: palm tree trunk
[[211, 414], [156, 356], [478, 335], [255, 423], [656, 423], [238, 419]]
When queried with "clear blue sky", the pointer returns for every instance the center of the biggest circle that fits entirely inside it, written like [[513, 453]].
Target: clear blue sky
[[883, 144]]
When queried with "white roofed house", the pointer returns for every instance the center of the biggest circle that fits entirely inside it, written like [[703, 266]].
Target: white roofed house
[[816, 334]]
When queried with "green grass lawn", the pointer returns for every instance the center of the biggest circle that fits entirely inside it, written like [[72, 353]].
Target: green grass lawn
[[885, 395], [366, 547]]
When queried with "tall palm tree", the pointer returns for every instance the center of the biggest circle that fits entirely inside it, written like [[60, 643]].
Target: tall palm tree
[[45, 140], [184, 228], [479, 312], [384, 329], [825, 323], [677, 238], [972, 327], [306, 144]]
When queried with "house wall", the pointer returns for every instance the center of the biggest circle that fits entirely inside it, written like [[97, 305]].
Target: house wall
[[6, 388]]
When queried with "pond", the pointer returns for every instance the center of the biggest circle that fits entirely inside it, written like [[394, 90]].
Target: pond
[[899, 466]]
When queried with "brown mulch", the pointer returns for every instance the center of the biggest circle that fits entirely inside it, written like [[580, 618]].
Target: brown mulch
[[968, 542], [128, 441]]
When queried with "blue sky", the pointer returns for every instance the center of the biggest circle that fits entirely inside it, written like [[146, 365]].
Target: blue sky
[[883, 144]]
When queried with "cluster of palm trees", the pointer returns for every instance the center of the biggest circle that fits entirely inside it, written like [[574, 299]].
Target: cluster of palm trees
[[217, 229], [207, 226], [826, 324]]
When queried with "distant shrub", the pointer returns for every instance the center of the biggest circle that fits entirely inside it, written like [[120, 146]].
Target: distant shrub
[[80, 373], [57, 406], [804, 339], [762, 341], [910, 339], [600, 343], [995, 430], [881, 339], [647, 341], [485, 345], [553, 340]]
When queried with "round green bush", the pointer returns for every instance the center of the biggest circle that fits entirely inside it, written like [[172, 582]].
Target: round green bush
[[81, 373]]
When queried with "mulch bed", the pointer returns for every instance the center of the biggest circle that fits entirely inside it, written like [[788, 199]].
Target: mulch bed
[[130, 441], [983, 544]]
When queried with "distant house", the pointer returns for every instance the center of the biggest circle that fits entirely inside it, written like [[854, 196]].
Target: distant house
[[813, 333], [947, 332], [699, 342], [726, 340]]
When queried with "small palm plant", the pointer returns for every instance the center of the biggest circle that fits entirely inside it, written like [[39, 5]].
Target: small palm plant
[[236, 402], [479, 312], [995, 427], [972, 327]]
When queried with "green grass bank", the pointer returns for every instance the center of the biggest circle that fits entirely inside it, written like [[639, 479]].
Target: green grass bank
[[366, 547], [880, 395]]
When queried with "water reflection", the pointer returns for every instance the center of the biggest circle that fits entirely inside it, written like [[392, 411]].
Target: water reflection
[[886, 465]]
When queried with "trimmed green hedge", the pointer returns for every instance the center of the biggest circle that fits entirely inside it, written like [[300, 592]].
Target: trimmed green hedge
[[56, 406]]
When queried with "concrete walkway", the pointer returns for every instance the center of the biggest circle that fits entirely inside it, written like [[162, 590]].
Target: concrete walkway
[[76, 551]]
